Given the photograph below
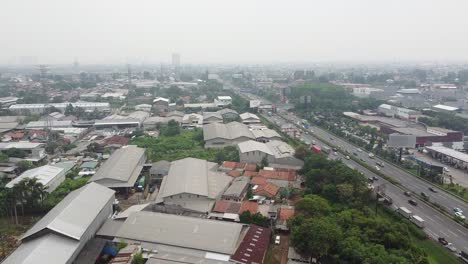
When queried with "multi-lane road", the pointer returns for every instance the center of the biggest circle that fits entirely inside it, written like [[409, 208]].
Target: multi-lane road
[[436, 223]]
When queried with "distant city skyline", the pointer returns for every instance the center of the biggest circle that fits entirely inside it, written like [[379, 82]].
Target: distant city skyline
[[209, 31]]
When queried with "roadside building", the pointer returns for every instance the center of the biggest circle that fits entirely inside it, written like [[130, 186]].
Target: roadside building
[[249, 118], [155, 121], [217, 135], [49, 124], [48, 175], [290, 130], [265, 135], [399, 112], [193, 184], [6, 102], [63, 232], [122, 169], [278, 154]]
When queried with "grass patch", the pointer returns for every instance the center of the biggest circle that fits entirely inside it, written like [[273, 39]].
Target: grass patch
[[437, 254]]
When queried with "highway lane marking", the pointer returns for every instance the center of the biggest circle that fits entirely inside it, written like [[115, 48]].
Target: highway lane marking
[[438, 217], [443, 233], [430, 218], [453, 233]]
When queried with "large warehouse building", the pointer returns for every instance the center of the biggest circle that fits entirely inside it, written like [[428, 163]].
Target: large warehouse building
[[61, 234]]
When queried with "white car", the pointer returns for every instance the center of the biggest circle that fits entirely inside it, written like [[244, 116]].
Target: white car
[[460, 215], [277, 240], [359, 150], [377, 168]]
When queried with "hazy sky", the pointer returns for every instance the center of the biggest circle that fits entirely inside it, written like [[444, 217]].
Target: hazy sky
[[117, 31]]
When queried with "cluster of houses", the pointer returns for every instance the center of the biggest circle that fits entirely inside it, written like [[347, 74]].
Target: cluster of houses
[[195, 214]]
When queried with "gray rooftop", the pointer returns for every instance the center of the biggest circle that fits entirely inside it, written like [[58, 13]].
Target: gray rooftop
[[237, 186], [37, 250], [73, 215], [252, 145], [194, 176], [230, 130], [265, 133], [180, 231], [122, 168]]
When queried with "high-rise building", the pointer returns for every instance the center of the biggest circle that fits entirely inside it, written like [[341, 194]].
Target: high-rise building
[[175, 59]]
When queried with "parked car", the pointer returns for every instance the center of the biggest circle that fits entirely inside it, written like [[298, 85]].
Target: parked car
[[152, 189], [277, 240], [412, 202], [432, 189]]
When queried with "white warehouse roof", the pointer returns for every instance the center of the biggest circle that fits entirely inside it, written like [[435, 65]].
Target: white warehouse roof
[[445, 107], [43, 174]]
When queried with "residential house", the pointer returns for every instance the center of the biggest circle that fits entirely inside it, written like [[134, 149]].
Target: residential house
[[237, 190], [161, 105], [278, 154]]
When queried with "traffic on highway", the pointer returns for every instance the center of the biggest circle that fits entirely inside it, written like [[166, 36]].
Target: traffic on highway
[[436, 225]]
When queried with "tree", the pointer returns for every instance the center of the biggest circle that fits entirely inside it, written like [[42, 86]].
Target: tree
[[3, 157], [138, 258], [301, 152], [258, 219], [24, 165], [313, 206], [69, 110], [315, 237], [264, 162], [172, 129]]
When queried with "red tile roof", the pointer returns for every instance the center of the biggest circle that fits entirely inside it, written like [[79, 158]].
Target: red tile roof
[[254, 245], [229, 164], [17, 135], [116, 140], [279, 174], [224, 206], [250, 167], [250, 206], [268, 189], [250, 173], [285, 213], [234, 173], [258, 180]]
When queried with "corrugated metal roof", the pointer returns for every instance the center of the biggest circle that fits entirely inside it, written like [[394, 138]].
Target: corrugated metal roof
[[180, 231], [40, 250], [73, 215], [252, 145], [122, 168], [43, 174], [194, 176], [230, 131]]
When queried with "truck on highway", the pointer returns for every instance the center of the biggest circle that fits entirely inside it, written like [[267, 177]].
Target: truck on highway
[[418, 221], [404, 212], [326, 150], [316, 149]]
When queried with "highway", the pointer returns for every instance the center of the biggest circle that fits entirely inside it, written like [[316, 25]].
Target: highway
[[436, 223]]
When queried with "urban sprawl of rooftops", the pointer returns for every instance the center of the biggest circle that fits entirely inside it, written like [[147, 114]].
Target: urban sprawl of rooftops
[[206, 164]]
